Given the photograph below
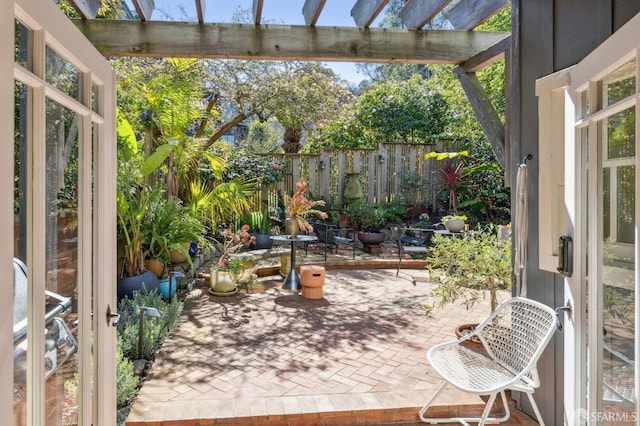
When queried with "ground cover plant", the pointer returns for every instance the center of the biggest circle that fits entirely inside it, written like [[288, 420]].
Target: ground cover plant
[[155, 330]]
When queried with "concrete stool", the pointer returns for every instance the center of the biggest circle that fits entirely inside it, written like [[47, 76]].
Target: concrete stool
[[312, 280]]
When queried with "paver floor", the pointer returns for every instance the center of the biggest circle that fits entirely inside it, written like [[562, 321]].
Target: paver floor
[[268, 356]]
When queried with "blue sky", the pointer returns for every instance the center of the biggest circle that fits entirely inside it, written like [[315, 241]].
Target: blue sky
[[334, 13]]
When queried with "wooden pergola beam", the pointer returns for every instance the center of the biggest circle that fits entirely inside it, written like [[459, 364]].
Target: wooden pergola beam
[[200, 5], [281, 42], [87, 9], [364, 12], [487, 115], [468, 14], [311, 11], [489, 56], [257, 11], [144, 8], [416, 13]]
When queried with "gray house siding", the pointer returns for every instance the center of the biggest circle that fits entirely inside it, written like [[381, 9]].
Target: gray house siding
[[551, 35]]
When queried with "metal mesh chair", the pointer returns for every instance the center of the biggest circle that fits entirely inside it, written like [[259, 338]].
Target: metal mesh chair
[[513, 337], [409, 244], [330, 236]]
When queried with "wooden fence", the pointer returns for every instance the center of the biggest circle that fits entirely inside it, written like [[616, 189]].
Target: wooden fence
[[392, 172]]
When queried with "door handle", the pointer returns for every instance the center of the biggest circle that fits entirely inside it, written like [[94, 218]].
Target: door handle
[[112, 317], [559, 310]]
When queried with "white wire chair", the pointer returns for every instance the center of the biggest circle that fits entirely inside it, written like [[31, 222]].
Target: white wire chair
[[618, 380], [513, 337]]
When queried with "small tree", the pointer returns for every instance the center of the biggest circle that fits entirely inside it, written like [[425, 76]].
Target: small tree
[[469, 266]]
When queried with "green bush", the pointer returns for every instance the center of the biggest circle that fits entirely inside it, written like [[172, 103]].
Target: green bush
[[363, 215], [155, 329], [466, 267]]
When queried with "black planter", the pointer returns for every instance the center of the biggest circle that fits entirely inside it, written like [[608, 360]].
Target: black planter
[[262, 242], [127, 285]]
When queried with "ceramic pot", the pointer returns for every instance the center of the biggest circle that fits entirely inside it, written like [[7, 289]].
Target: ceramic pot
[[352, 189], [454, 225], [127, 285], [222, 282], [262, 242], [291, 227]]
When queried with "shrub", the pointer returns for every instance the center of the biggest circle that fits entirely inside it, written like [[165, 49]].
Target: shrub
[[126, 380]]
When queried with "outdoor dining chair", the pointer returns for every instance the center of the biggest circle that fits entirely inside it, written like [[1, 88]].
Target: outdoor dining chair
[[331, 237], [512, 338], [409, 244]]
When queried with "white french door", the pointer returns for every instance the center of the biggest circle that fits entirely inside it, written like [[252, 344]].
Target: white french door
[[599, 99], [61, 125]]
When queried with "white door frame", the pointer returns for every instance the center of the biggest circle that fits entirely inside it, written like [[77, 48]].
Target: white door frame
[[49, 25], [560, 95]]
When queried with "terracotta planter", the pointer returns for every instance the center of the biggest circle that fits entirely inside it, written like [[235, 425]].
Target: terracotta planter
[[154, 265], [179, 256], [464, 329], [371, 238]]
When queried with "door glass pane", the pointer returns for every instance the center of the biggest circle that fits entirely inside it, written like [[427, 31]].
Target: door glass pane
[[618, 292], [626, 204], [606, 203], [20, 300], [21, 55], [95, 100], [61, 369], [618, 85], [621, 135], [62, 74]]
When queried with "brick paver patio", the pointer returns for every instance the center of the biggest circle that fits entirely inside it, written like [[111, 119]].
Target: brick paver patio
[[268, 356]]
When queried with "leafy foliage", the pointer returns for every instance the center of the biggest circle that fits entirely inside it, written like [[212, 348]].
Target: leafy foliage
[[262, 137], [403, 112], [169, 226], [244, 165], [302, 97]]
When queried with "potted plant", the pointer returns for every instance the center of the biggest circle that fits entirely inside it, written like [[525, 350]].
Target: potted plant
[[171, 229], [259, 226], [132, 205], [224, 274], [298, 207], [366, 219], [469, 266]]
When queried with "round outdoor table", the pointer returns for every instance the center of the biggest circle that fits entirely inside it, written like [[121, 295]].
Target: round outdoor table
[[292, 281]]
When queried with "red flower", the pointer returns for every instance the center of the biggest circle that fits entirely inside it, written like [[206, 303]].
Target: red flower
[[276, 166]]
